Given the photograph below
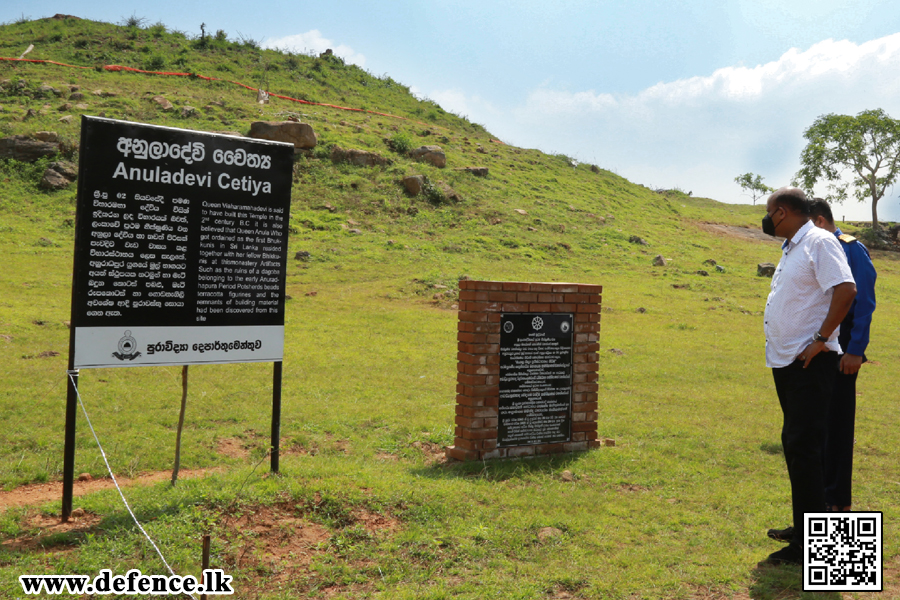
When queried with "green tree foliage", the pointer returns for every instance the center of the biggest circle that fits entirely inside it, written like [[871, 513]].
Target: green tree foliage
[[864, 149], [753, 185]]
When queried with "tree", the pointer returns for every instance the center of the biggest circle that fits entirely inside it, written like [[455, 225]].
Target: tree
[[753, 184], [865, 147]]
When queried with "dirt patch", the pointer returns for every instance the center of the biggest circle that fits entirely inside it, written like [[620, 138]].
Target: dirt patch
[[700, 592], [746, 233], [375, 522], [633, 487], [43, 530], [232, 448], [274, 545], [434, 453], [39, 493]]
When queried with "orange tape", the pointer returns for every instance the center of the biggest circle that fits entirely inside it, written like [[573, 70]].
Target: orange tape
[[119, 68]]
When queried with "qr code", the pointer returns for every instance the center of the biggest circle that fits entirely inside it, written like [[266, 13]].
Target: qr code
[[843, 552]]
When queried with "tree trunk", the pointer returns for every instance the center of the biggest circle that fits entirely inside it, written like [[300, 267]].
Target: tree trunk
[[875, 225], [184, 388]]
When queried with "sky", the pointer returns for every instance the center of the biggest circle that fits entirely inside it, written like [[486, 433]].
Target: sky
[[681, 94]]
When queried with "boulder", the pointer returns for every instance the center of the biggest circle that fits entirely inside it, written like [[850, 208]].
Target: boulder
[[659, 261], [47, 90], [638, 240], [66, 169], [360, 158], [162, 103], [53, 180], [449, 193], [720, 268], [414, 184], [58, 175], [476, 171], [430, 154], [76, 96], [703, 273], [188, 111], [46, 136], [301, 135], [25, 149], [766, 269]]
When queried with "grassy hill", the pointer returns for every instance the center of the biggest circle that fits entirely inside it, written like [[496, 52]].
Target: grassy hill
[[365, 507]]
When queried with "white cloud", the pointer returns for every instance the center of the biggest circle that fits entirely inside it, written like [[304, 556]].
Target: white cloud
[[699, 133], [314, 42]]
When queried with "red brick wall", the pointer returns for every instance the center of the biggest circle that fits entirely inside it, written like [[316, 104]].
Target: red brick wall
[[478, 378]]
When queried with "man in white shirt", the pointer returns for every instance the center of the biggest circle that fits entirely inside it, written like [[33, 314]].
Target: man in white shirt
[[812, 290]]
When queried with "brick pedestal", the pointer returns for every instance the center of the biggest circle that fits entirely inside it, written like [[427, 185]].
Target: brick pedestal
[[478, 379]]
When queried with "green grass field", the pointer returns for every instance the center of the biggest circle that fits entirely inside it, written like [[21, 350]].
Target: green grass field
[[678, 508]]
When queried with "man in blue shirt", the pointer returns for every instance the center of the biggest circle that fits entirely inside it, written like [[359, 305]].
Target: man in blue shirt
[[853, 338]]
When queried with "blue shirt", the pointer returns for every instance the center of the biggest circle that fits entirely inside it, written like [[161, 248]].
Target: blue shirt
[[854, 335]]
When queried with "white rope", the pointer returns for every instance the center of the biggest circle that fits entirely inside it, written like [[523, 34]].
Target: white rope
[[109, 469]]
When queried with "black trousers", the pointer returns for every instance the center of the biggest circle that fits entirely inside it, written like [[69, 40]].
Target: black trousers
[[805, 396], [839, 442]]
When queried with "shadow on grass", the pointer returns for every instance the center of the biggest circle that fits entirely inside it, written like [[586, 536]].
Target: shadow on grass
[[782, 583], [498, 469], [772, 448]]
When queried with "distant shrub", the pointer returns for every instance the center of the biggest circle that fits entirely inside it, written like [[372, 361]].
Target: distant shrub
[[322, 151], [32, 172], [433, 193], [248, 42], [158, 29], [133, 21], [155, 63], [221, 36], [400, 143]]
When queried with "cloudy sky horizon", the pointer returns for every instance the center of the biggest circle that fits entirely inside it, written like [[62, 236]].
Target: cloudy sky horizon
[[683, 95]]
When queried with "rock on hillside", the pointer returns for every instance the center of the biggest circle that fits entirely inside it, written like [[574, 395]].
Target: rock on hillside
[[301, 135]]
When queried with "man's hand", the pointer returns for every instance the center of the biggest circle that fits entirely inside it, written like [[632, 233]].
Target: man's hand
[[850, 364], [810, 352]]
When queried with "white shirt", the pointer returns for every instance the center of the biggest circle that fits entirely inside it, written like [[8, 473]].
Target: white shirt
[[812, 263]]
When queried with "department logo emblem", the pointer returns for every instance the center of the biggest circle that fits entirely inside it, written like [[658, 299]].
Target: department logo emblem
[[508, 327], [127, 348], [537, 323], [564, 327]]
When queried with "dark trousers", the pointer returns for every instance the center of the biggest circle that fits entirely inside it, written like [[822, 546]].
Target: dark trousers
[[839, 442], [805, 396]]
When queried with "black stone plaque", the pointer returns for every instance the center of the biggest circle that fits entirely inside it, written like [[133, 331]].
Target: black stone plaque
[[535, 379]]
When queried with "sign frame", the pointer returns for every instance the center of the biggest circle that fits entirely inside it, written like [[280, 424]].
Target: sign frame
[[157, 183]]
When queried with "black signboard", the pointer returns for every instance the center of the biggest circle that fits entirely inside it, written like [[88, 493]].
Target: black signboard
[[535, 379], [180, 246]]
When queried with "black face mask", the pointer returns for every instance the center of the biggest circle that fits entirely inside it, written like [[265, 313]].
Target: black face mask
[[768, 225]]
